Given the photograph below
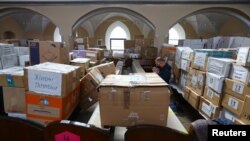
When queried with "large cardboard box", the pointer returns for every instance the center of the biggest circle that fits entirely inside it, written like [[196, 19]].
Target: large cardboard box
[[212, 96], [185, 65], [9, 61], [245, 116], [149, 52], [127, 100], [129, 44], [105, 68], [52, 78], [6, 49], [219, 66], [46, 51], [14, 99], [241, 74], [187, 54], [233, 104], [88, 92], [208, 109], [46, 108], [215, 82], [236, 89], [12, 77], [178, 55], [83, 63], [186, 92], [194, 99], [243, 57], [201, 57], [198, 79]]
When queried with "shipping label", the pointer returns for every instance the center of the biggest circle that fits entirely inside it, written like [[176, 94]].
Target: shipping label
[[238, 88], [233, 103], [206, 109], [200, 59], [210, 93]]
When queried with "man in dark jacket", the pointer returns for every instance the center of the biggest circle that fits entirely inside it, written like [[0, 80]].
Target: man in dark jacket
[[162, 69]]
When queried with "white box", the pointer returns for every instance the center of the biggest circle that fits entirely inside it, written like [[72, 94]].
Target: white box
[[215, 82], [24, 60], [178, 55], [243, 56], [9, 61], [185, 65], [212, 43], [22, 50], [6, 49], [240, 73], [219, 66], [187, 54], [225, 42]]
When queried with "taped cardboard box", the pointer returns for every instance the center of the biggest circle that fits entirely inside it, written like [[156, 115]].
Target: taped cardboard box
[[233, 104], [129, 44], [127, 100], [219, 66], [185, 65], [208, 109], [201, 57], [9, 61], [241, 74], [198, 79], [45, 108], [215, 82], [6, 49], [47, 51], [89, 84], [52, 78], [12, 77], [212, 96], [236, 89], [245, 116], [149, 52], [178, 55], [14, 99], [83, 63], [194, 99], [187, 91], [105, 68], [243, 57]]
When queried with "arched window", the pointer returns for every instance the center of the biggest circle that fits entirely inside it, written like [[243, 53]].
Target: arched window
[[57, 35], [115, 36], [175, 34]]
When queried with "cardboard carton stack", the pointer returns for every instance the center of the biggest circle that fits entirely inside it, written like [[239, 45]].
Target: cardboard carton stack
[[12, 83], [83, 63], [47, 51], [127, 100], [236, 90], [53, 91], [8, 57], [105, 68]]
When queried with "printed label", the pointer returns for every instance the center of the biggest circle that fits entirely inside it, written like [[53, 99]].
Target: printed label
[[194, 80], [212, 108], [45, 82], [238, 88], [10, 81], [210, 93], [240, 73], [229, 116], [233, 103]]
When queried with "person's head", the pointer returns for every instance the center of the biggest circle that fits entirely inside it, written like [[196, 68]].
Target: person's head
[[160, 62]]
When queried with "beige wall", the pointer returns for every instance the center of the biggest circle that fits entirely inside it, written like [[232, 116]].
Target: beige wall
[[162, 16], [234, 26], [8, 24]]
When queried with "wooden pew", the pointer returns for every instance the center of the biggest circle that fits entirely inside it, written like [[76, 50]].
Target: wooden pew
[[66, 130], [16, 129]]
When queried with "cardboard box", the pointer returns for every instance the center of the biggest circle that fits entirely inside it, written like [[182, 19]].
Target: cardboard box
[[105, 68], [219, 66], [52, 78], [212, 96], [22, 50], [178, 55], [88, 92], [83, 63], [198, 79], [240, 42], [6, 49], [236, 89], [127, 100], [149, 52], [12, 77], [44, 108], [245, 116], [168, 51], [233, 104], [243, 57], [14, 99], [129, 44], [9, 61], [187, 92], [24, 60], [184, 79], [46, 51], [241, 74], [194, 43], [208, 109], [229, 115], [185, 65], [215, 82], [119, 67], [177, 73], [187, 54], [201, 57], [194, 99], [136, 67]]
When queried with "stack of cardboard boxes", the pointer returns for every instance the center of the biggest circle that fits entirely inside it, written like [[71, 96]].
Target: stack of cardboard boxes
[[8, 57], [49, 96]]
